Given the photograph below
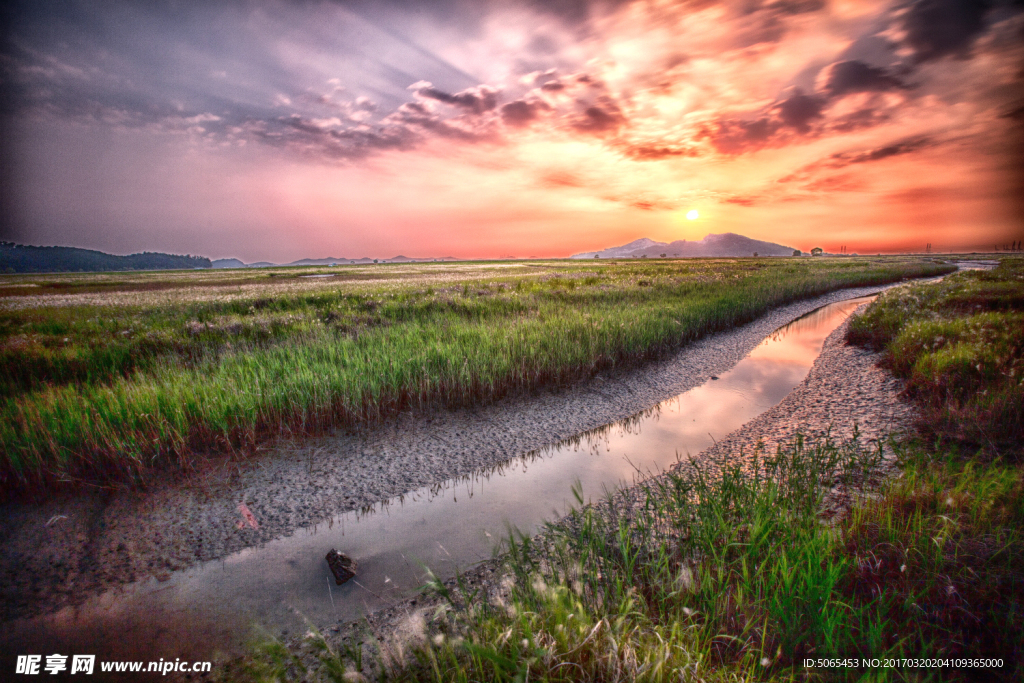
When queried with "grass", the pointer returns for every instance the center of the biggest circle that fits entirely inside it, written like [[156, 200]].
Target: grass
[[732, 575], [102, 393], [960, 346], [744, 572]]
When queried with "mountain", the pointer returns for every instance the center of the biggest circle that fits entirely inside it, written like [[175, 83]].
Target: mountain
[[318, 261], [626, 250], [725, 244], [19, 258], [227, 263], [330, 261]]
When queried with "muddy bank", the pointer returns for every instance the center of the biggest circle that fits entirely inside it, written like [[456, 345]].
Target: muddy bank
[[62, 552]]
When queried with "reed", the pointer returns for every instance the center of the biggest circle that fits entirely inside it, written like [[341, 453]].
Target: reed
[[104, 393], [729, 574], [960, 346]]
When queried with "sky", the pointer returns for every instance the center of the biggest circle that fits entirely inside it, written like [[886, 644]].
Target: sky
[[277, 130]]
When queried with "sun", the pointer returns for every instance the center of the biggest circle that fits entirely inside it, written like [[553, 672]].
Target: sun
[[692, 214]]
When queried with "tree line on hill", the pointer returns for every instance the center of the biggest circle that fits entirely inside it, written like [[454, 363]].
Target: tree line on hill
[[19, 258]]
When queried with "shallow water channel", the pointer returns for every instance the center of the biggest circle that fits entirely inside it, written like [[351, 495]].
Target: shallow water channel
[[213, 606]]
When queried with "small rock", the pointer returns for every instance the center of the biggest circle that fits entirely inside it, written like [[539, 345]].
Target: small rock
[[714, 376], [342, 566]]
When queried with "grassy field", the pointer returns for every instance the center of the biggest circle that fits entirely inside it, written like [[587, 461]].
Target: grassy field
[[732, 576], [105, 376], [735, 575], [960, 346]]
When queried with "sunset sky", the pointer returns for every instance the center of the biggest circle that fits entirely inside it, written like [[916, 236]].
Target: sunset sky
[[280, 130]]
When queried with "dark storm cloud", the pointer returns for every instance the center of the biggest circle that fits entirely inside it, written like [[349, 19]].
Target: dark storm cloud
[[794, 116], [937, 28], [597, 120], [851, 76]]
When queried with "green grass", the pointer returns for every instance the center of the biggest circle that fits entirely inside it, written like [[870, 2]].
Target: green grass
[[732, 575], [742, 572], [960, 346], [104, 392]]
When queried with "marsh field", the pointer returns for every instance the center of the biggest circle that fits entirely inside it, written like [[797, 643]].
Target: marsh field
[[107, 376], [113, 380], [745, 574], [749, 573]]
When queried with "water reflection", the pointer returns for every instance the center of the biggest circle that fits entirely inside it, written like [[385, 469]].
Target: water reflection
[[447, 526]]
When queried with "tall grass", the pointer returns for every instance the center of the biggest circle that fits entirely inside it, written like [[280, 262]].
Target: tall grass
[[731, 574], [223, 375], [960, 346]]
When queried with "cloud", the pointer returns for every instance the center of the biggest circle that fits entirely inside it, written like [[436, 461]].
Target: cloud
[[555, 179], [475, 100], [938, 28], [796, 6], [600, 86], [818, 175], [732, 136], [798, 110], [841, 159], [743, 200], [601, 118], [852, 76], [650, 152], [521, 112]]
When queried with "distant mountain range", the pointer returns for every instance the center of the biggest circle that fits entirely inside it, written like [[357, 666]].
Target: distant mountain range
[[18, 258], [330, 261], [726, 244]]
